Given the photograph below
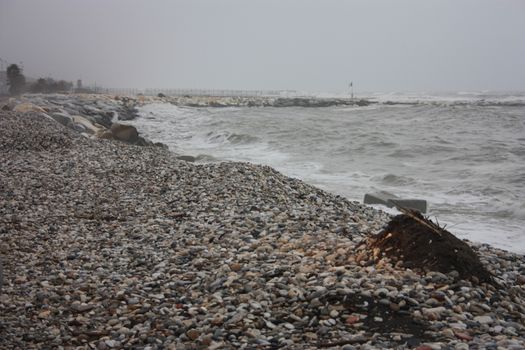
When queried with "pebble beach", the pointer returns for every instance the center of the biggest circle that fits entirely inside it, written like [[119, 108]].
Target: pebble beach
[[112, 245]]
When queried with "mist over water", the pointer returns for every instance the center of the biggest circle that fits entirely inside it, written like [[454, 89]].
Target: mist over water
[[466, 159]]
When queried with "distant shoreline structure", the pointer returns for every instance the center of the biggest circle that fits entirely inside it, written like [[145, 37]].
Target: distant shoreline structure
[[254, 98], [292, 98], [203, 92], [235, 98]]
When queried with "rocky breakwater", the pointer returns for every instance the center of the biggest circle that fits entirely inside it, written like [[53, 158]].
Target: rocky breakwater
[[318, 102], [259, 101], [107, 245], [93, 116]]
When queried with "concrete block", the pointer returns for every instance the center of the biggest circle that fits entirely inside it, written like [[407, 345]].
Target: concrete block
[[391, 200]]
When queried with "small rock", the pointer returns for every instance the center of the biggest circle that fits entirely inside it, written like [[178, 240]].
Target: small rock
[[483, 319], [44, 314], [235, 267], [133, 301], [111, 343], [193, 334], [461, 346], [352, 319], [424, 347], [82, 307], [334, 313], [289, 326], [463, 336]]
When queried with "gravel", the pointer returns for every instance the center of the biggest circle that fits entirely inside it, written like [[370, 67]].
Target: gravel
[[107, 245]]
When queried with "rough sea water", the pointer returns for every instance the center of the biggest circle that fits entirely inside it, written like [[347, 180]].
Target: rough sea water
[[463, 153]]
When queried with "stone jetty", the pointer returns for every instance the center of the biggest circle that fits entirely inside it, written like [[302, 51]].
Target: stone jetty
[[120, 245]]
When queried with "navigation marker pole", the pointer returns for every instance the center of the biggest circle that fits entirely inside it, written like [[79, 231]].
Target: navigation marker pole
[[352, 89]]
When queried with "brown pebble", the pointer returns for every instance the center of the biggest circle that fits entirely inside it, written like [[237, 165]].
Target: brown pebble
[[193, 334], [463, 336], [352, 319], [423, 347], [44, 314], [394, 307], [235, 267], [217, 320], [207, 340]]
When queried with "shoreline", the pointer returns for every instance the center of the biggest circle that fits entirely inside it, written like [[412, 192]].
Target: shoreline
[[110, 245]]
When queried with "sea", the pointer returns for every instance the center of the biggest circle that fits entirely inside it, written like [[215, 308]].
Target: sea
[[463, 152]]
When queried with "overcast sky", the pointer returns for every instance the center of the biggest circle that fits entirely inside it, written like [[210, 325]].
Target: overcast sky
[[445, 45]]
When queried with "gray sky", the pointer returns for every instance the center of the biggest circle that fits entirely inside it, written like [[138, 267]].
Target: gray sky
[[445, 45]]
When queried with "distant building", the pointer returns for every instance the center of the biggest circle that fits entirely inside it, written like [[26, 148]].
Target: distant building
[[4, 88]]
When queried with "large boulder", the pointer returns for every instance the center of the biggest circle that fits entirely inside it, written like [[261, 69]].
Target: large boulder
[[127, 112], [190, 159], [91, 127], [90, 110], [62, 118], [105, 135], [126, 133], [104, 120], [78, 127], [28, 107]]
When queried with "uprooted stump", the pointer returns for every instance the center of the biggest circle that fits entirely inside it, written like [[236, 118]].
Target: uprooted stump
[[420, 243]]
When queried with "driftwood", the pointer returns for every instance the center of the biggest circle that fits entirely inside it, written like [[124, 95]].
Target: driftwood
[[417, 216], [418, 242]]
